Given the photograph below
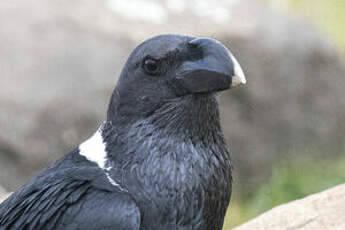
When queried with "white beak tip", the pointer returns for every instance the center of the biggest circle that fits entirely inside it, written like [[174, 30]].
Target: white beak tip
[[238, 78]]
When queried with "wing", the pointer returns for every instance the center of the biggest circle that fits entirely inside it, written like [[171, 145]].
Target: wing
[[67, 200]]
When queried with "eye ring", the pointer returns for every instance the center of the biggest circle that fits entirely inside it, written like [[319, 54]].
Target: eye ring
[[150, 66]]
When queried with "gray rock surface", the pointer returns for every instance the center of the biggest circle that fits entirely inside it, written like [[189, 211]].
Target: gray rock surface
[[322, 211], [59, 61]]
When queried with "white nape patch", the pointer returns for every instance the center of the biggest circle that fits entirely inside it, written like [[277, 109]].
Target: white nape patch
[[94, 149], [238, 77], [114, 182]]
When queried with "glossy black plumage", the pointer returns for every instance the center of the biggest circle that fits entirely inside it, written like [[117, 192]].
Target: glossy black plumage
[[72, 194], [166, 165]]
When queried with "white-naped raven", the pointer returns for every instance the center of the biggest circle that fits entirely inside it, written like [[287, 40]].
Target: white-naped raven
[[159, 161]]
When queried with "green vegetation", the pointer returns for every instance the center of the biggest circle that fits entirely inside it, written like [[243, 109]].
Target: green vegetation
[[328, 15], [290, 181], [301, 177]]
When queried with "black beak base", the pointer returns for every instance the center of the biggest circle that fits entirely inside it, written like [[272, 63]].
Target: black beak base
[[215, 71], [203, 81]]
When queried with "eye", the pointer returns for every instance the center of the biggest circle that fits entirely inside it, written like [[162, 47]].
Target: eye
[[150, 66]]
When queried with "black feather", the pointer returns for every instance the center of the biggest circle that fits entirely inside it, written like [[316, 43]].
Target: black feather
[[168, 166]]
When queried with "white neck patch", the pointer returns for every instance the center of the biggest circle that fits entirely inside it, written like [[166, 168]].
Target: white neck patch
[[94, 149]]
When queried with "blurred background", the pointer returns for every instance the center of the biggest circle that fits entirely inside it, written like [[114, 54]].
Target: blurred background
[[60, 59]]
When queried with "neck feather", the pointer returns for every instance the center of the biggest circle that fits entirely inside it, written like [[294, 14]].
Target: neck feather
[[193, 119]]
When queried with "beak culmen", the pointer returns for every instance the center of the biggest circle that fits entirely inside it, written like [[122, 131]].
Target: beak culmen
[[217, 70]]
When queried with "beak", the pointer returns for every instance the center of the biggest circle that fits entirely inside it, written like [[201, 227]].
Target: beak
[[216, 70], [238, 78]]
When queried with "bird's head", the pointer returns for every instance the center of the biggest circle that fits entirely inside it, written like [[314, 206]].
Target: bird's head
[[169, 66]]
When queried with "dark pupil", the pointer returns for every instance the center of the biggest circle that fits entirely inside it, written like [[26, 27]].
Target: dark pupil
[[151, 66]]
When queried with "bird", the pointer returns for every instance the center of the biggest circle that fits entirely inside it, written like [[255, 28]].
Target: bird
[[158, 161]]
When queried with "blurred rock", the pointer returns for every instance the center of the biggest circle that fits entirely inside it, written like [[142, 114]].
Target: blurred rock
[[59, 61], [324, 211]]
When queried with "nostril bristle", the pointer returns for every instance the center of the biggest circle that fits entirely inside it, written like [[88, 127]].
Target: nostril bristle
[[194, 43]]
